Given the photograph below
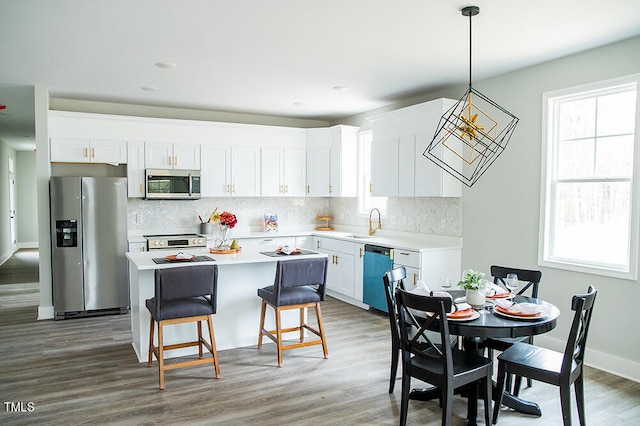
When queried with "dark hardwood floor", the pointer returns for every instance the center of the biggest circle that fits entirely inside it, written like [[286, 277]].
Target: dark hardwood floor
[[84, 371]]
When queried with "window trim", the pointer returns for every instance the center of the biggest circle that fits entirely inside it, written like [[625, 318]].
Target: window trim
[[546, 191]]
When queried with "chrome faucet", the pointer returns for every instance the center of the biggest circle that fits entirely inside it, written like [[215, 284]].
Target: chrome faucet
[[371, 229]]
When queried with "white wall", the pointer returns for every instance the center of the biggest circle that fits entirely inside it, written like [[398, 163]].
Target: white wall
[[27, 200], [6, 152]]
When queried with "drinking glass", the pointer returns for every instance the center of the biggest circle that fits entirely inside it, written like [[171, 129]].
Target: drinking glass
[[445, 283], [512, 283]]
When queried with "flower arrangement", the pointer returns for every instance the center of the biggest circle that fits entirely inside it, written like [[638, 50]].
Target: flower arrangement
[[223, 219], [474, 280], [226, 221]]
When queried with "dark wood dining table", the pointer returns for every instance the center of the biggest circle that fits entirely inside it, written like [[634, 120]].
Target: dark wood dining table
[[491, 325]]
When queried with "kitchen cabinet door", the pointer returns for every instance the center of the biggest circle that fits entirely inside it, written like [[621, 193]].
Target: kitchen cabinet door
[[319, 172], [80, 150], [295, 172], [283, 172], [135, 169], [406, 165], [245, 171], [186, 156], [161, 155], [358, 271], [216, 171], [384, 167]]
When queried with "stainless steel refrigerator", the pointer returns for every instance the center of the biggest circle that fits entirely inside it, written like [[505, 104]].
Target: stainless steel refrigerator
[[88, 243]]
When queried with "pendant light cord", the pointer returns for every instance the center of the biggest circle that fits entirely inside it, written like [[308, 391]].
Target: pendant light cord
[[470, 48]]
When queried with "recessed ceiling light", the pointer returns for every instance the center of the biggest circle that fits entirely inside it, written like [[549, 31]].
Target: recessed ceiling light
[[298, 103], [165, 65], [149, 88], [340, 88]]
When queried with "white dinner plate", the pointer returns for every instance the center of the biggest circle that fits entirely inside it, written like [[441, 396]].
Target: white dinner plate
[[517, 317], [473, 316]]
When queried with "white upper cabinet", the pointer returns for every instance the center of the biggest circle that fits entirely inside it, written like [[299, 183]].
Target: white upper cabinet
[[81, 150], [398, 167], [230, 171], [332, 161], [162, 155], [135, 169], [283, 172]]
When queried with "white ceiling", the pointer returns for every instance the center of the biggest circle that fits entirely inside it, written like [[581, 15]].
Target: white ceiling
[[283, 57]]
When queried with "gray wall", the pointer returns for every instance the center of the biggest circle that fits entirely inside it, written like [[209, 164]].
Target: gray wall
[[27, 200], [501, 213]]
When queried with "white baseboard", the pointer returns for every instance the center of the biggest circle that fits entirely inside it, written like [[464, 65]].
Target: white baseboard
[[45, 312], [600, 360], [31, 244]]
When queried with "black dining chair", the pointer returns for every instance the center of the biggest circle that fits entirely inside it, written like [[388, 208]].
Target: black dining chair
[[426, 358], [531, 278], [393, 279], [299, 284], [183, 294], [545, 365]]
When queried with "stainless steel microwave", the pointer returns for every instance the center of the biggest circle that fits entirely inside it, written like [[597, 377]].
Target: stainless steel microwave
[[164, 184]]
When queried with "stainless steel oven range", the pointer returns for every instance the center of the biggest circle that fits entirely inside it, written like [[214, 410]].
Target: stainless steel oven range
[[175, 241]]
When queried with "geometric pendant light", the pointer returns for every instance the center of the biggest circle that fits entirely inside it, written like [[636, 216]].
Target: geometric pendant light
[[472, 133]]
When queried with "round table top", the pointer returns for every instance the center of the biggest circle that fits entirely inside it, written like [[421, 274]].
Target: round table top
[[491, 325]]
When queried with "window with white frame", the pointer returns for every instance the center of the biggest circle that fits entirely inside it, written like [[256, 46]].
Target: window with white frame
[[591, 194], [365, 200]]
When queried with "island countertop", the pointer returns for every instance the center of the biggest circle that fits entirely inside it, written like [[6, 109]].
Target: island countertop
[[238, 305]]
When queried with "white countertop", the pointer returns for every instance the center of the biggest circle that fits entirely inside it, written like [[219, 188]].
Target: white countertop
[[144, 260], [383, 237]]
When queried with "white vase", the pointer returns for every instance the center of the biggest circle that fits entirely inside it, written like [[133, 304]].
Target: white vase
[[475, 297]]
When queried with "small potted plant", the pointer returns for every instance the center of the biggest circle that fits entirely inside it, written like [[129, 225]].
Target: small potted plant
[[474, 283]]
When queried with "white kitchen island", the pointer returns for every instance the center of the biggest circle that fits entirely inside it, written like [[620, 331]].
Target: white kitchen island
[[237, 320]]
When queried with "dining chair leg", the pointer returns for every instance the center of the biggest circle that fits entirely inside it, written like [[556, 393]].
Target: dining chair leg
[[447, 406], [404, 400], [160, 355], [395, 354], [302, 322], [579, 390], [214, 350], [500, 390], [151, 331], [488, 385], [262, 315], [199, 325], [321, 330], [565, 403], [279, 336]]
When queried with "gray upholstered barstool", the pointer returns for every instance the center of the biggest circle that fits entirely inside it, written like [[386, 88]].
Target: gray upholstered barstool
[[299, 284], [183, 294]]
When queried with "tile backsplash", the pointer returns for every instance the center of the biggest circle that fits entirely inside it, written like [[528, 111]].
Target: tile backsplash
[[420, 214]]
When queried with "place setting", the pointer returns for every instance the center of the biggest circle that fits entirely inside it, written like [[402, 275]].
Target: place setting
[[519, 311]]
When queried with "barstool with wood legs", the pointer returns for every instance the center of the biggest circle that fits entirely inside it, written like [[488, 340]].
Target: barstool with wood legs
[[299, 284], [183, 294]]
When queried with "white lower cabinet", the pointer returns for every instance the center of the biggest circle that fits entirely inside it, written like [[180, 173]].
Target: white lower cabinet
[[431, 266], [267, 243], [344, 277]]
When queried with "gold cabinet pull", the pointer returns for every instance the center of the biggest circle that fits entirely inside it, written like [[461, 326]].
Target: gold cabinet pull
[[330, 189], [370, 187], [233, 187], [141, 189], [93, 153], [317, 244], [229, 188], [361, 252], [308, 189], [415, 279], [170, 160], [336, 260], [86, 152], [286, 189], [176, 162]]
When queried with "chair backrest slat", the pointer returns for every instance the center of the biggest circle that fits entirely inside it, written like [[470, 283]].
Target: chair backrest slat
[[582, 304], [415, 331], [531, 277]]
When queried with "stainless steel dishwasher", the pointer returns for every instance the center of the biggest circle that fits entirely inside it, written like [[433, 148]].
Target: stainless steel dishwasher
[[377, 261]]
